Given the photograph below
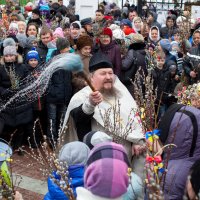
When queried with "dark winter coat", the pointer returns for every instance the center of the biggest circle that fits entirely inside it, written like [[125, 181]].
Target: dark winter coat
[[165, 84], [18, 112], [135, 53], [155, 23], [60, 88], [192, 64], [167, 33], [42, 51], [112, 50], [186, 133]]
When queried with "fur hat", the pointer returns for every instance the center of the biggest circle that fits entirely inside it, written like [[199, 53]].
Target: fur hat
[[59, 32], [74, 153], [9, 42], [9, 50], [22, 38], [99, 61], [31, 39], [107, 31], [62, 43], [33, 54], [106, 170], [84, 41], [96, 137]]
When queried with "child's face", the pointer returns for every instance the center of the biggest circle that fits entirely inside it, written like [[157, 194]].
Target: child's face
[[160, 60], [34, 43], [66, 32], [177, 37], [151, 51], [33, 62], [21, 28]]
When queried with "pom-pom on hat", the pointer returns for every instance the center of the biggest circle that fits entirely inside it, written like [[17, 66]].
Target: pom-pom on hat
[[33, 54], [9, 42], [62, 43], [107, 31], [74, 153], [106, 172], [84, 41], [9, 50], [99, 61]]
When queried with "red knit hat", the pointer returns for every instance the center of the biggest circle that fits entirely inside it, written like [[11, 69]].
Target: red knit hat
[[28, 8], [107, 31]]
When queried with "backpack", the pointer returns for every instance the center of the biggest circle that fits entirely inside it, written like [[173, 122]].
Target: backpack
[[127, 75]]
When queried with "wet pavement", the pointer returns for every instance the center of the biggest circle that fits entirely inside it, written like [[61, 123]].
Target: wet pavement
[[27, 177]]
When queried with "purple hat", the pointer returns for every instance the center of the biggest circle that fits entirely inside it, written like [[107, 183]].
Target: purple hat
[[106, 172]]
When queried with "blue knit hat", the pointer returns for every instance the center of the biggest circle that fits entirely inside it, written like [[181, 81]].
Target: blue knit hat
[[32, 54], [165, 45]]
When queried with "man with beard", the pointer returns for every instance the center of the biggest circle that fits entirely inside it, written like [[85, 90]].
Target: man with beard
[[107, 106]]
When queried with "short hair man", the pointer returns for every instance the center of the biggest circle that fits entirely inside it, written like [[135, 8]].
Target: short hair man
[[45, 37]]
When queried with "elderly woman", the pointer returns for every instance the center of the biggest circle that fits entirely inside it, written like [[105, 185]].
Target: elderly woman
[[109, 47]]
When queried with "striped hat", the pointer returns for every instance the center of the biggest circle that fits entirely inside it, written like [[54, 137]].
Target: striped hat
[[106, 172]]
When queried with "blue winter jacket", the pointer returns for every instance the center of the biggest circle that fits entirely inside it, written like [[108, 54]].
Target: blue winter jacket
[[76, 172]]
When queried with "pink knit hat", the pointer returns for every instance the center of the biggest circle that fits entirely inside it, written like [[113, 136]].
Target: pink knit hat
[[106, 172], [58, 32]]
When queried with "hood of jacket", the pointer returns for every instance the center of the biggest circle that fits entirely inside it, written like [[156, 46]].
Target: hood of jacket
[[154, 15]]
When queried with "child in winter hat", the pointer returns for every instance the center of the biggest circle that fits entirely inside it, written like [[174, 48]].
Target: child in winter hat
[[58, 33], [32, 58], [75, 154], [106, 175]]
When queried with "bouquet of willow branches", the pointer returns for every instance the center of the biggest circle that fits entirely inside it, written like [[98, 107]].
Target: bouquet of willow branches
[[49, 163], [113, 122]]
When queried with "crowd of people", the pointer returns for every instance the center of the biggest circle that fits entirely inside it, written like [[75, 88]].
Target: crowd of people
[[93, 109]]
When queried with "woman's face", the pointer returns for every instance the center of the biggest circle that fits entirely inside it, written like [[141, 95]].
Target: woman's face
[[105, 39], [137, 24], [83, 32], [10, 58], [75, 32], [32, 31], [86, 50], [154, 35], [177, 37]]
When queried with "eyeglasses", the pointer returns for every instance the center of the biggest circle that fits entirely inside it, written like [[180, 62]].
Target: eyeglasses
[[104, 36]]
